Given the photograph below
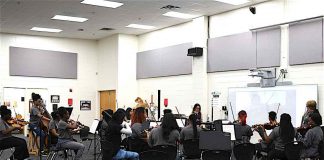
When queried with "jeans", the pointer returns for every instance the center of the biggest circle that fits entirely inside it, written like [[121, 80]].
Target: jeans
[[38, 133], [122, 154]]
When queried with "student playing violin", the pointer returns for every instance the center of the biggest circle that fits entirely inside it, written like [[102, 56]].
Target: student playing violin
[[6, 138]]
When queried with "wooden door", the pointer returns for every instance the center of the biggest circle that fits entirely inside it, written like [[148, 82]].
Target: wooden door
[[107, 100]]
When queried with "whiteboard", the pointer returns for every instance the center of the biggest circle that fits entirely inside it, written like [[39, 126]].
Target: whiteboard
[[257, 102]]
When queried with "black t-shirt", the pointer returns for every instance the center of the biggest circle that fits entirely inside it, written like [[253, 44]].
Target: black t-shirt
[[113, 135]]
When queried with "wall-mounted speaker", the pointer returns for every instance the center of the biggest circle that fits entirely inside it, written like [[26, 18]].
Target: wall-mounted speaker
[[197, 51]]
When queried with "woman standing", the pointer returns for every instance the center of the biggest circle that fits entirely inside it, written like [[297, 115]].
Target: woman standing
[[197, 111]]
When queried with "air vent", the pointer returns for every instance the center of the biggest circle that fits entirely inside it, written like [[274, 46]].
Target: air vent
[[106, 29], [170, 7]]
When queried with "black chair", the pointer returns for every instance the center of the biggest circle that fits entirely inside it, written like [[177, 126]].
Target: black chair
[[106, 150], [244, 151], [191, 149], [321, 150], [137, 145], [84, 135], [170, 150], [216, 155], [153, 155], [293, 150]]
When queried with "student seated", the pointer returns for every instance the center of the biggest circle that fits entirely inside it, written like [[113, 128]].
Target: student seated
[[7, 140], [246, 130], [166, 134], [280, 136], [106, 117], [191, 131], [116, 127], [65, 130], [52, 126], [138, 140], [313, 136]]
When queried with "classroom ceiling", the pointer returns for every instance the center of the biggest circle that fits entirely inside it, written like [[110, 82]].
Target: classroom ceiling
[[19, 16]]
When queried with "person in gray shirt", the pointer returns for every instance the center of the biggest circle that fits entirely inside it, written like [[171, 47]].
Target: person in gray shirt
[[65, 130], [36, 117], [7, 140], [281, 135], [313, 136], [166, 134], [191, 131], [52, 127]]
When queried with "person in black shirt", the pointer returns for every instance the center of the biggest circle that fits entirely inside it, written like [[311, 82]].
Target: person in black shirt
[[197, 111], [115, 128]]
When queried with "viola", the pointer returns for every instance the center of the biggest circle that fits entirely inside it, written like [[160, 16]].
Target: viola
[[17, 122], [303, 130]]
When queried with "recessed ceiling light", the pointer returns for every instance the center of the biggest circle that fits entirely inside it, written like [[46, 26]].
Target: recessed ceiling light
[[69, 18], [102, 3], [40, 29], [179, 15], [140, 26], [234, 2]]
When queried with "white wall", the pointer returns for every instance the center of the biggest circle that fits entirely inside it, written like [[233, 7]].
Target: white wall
[[268, 13], [84, 88], [108, 63], [185, 90], [127, 84]]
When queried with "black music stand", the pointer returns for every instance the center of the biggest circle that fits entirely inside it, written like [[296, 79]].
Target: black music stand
[[214, 140], [93, 130]]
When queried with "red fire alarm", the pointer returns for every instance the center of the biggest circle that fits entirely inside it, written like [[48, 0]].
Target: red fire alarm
[[70, 102]]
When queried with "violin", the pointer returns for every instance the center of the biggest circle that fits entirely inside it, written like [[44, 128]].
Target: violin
[[267, 126], [303, 130], [17, 123]]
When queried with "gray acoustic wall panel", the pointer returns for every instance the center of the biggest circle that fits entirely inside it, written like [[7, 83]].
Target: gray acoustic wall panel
[[168, 61], [306, 42], [268, 44], [234, 52], [42, 63]]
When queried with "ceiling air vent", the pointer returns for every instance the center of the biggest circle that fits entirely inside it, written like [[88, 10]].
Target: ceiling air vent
[[106, 29], [170, 7]]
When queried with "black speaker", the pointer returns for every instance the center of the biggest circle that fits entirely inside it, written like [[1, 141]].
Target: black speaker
[[253, 10], [197, 51]]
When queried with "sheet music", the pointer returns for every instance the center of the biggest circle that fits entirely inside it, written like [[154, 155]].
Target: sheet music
[[230, 129], [180, 122], [94, 126]]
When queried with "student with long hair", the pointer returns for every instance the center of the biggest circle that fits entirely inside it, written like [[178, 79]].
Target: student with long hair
[[246, 130], [280, 136], [197, 111], [166, 134], [138, 118], [313, 136], [116, 127], [191, 131]]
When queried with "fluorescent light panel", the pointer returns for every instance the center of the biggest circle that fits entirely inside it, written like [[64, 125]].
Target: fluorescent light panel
[[234, 2], [178, 15], [102, 3], [40, 29], [140, 26], [69, 18]]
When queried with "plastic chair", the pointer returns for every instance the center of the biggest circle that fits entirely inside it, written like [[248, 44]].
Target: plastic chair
[[84, 135], [12, 150], [293, 150], [54, 152], [244, 151], [216, 155], [153, 155], [191, 149], [170, 150]]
